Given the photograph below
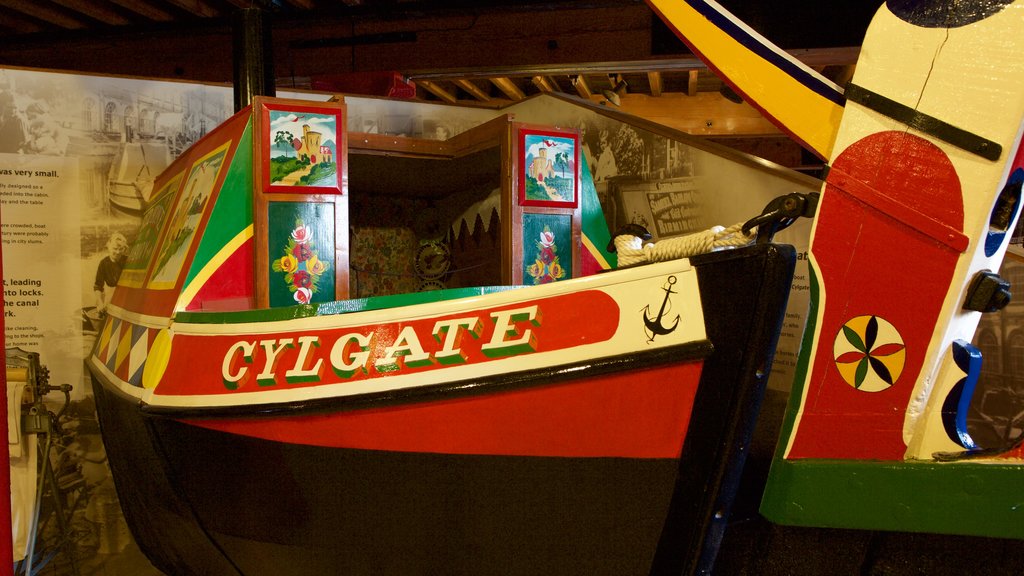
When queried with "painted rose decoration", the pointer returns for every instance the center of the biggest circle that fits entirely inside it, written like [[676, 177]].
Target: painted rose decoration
[[300, 264], [546, 268]]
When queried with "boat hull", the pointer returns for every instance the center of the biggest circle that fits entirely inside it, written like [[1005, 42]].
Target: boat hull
[[277, 507], [582, 486]]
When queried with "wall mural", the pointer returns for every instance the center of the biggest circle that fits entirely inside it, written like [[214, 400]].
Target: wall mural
[[78, 157]]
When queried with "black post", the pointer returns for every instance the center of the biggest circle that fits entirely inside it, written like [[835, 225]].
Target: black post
[[253, 56]]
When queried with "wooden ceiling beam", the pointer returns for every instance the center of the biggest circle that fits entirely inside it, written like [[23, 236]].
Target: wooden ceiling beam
[[98, 11], [544, 84], [509, 88], [307, 4], [438, 91], [198, 8], [579, 82], [21, 24], [654, 80], [472, 89], [691, 83], [145, 9], [45, 13]]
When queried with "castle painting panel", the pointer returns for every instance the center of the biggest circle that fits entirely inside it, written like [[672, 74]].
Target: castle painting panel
[[301, 149]]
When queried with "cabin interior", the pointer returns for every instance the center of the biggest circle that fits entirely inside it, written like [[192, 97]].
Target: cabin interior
[[431, 176]]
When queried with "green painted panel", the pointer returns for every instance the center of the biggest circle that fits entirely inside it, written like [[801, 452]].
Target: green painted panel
[[595, 226], [337, 307], [300, 245], [947, 498], [547, 248]]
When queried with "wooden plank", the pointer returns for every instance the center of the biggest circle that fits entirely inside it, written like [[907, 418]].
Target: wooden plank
[[543, 83], [509, 88], [472, 89], [385, 145], [437, 91], [45, 13], [144, 9], [197, 7], [579, 82], [21, 24], [486, 135], [654, 80], [691, 82], [98, 11]]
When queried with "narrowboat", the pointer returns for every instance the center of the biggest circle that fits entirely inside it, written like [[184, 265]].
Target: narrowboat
[[260, 421]]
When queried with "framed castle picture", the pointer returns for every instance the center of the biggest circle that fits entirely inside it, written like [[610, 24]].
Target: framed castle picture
[[548, 167], [302, 148]]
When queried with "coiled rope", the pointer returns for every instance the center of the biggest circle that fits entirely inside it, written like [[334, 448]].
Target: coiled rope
[[632, 251]]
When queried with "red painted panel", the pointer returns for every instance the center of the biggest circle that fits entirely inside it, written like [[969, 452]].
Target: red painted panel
[[231, 286], [637, 414], [561, 322], [875, 263]]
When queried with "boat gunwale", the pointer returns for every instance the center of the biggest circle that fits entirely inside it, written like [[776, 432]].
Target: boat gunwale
[[497, 383]]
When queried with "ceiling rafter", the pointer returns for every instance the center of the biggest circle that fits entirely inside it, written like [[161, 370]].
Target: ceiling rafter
[[654, 81], [438, 91], [197, 8], [308, 4], [145, 9], [509, 88], [22, 23], [579, 82], [108, 14], [544, 84], [472, 89], [46, 13]]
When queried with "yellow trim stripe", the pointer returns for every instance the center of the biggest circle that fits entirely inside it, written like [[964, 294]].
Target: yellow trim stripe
[[597, 254], [787, 102], [218, 260]]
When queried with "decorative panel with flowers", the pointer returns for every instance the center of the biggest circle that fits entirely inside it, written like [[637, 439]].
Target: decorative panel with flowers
[[547, 248], [301, 244]]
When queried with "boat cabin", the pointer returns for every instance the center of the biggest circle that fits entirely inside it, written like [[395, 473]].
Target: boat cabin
[[258, 214]]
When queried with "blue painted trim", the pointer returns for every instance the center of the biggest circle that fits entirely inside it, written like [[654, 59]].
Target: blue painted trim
[[1011, 193]]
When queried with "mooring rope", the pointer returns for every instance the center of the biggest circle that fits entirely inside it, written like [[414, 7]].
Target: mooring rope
[[633, 251]]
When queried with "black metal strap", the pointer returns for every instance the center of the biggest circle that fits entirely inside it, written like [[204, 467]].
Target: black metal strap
[[930, 125]]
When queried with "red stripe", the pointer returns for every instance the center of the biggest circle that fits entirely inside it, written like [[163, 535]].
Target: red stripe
[[639, 414]]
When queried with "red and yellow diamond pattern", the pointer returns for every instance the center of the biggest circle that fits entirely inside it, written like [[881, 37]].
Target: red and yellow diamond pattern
[[123, 348]]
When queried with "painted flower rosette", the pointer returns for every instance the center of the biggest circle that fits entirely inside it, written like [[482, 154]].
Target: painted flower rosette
[[546, 268], [300, 264]]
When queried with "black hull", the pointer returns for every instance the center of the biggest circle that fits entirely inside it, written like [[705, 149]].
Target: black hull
[[205, 502]]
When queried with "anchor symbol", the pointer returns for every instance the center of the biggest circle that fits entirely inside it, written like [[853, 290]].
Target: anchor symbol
[[654, 325]]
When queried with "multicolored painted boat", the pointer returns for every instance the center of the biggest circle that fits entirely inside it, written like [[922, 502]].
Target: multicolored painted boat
[[924, 187], [258, 422]]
